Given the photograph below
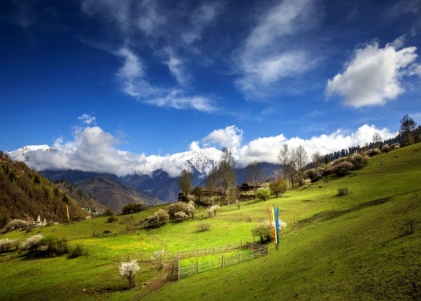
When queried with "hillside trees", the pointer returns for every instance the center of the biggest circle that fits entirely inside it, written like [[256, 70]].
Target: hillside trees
[[293, 163], [407, 125], [253, 174], [222, 177], [185, 182], [278, 186]]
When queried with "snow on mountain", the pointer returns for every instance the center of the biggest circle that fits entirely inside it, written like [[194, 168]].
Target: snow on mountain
[[44, 157], [201, 159]]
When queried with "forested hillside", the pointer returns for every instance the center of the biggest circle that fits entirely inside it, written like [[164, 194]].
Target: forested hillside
[[25, 194]]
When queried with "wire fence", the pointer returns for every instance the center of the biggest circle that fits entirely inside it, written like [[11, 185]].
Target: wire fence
[[224, 260]]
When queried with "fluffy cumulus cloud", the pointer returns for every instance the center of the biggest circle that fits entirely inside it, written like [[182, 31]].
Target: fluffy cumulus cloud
[[229, 138], [170, 34], [92, 149], [373, 75], [269, 54]]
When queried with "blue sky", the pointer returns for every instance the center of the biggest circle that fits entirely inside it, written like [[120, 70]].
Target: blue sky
[[158, 77]]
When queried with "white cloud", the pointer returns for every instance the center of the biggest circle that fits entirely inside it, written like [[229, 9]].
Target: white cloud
[[373, 76], [92, 149], [268, 55], [267, 149], [87, 119], [230, 137], [176, 99]]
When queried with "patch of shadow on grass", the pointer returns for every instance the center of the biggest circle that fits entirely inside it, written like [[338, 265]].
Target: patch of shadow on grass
[[332, 214]]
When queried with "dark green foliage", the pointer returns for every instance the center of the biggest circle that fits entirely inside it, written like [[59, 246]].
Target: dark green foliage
[[263, 232], [75, 252], [343, 191], [133, 208], [112, 219], [52, 246]]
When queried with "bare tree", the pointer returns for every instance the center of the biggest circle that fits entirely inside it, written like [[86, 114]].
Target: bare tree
[[316, 158], [407, 126], [223, 176], [253, 174], [185, 181]]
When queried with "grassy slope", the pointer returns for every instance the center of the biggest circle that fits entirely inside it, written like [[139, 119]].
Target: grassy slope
[[334, 248]]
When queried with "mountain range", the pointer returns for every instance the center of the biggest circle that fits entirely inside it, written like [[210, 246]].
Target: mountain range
[[151, 188]]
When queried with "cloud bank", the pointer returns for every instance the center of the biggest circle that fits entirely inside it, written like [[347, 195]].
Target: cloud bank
[[93, 149]]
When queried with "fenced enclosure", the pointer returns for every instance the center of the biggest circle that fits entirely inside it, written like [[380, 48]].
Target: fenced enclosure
[[204, 263]]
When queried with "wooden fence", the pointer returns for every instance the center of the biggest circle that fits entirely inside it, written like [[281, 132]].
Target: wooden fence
[[221, 261]]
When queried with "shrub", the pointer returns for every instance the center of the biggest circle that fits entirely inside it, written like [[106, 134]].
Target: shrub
[[76, 251], [314, 174], [31, 243], [16, 224], [112, 219], [263, 193], [342, 168], [263, 232], [7, 245], [157, 220], [181, 210], [133, 208], [158, 257], [212, 210], [53, 246], [359, 161], [373, 151], [204, 226], [395, 146], [128, 270], [343, 191], [386, 148], [180, 215]]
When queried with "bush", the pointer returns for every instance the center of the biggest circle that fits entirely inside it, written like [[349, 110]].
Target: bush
[[204, 226], [263, 231], [212, 210], [180, 211], [342, 168], [373, 151], [16, 224], [343, 191], [263, 193], [386, 148], [7, 245], [75, 251], [31, 243], [112, 219], [157, 220], [359, 161], [314, 174], [53, 246], [133, 208], [180, 215], [128, 270]]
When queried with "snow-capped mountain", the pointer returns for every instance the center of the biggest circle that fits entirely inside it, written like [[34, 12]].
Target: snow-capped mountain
[[44, 157], [201, 159], [24, 153]]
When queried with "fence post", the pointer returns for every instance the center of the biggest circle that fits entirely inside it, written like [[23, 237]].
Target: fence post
[[197, 266], [178, 268], [222, 259]]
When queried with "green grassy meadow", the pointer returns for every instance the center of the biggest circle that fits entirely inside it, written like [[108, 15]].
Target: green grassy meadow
[[362, 246]]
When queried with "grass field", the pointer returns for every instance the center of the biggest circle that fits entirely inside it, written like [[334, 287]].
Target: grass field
[[362, 246]]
